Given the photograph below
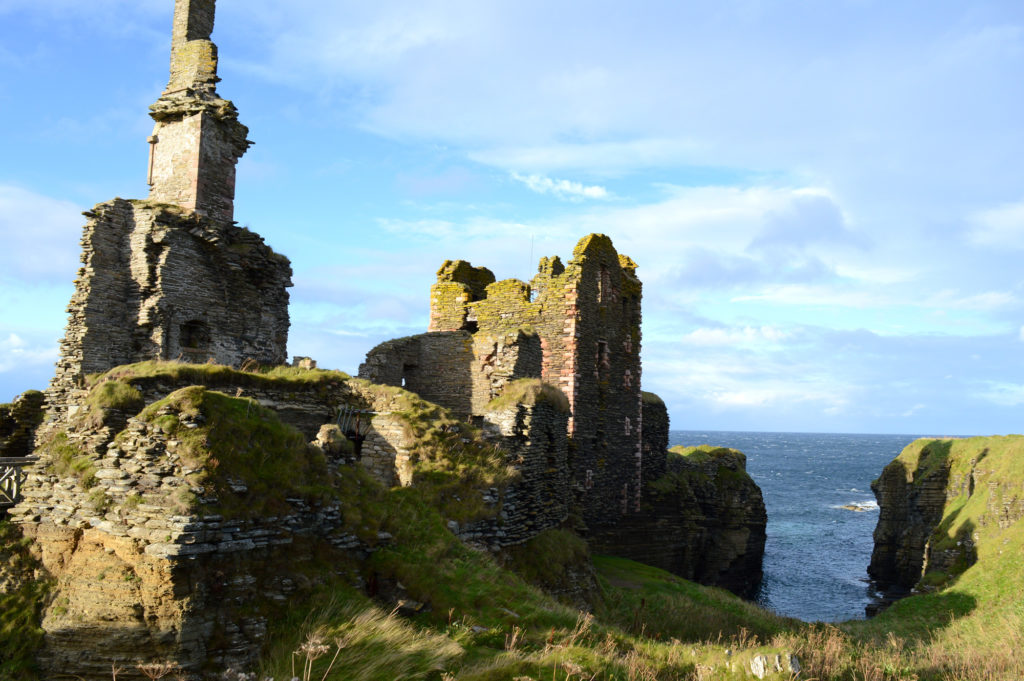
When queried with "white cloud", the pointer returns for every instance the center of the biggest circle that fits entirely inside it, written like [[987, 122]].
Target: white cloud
[[603, 157], [38, 235], [563, 189], [913, 410], [16, 353], [1000, 227], [1002, 394], [745, 336]]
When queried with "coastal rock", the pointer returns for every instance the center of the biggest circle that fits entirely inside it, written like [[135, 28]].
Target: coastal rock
[[938, 501], [704, 520]]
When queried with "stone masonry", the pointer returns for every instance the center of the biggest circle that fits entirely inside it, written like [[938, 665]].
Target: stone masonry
[[574, 326], [197, 139], [172, 277]]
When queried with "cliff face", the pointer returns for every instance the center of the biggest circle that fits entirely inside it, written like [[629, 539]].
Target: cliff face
[[941, 502], [704, 520]]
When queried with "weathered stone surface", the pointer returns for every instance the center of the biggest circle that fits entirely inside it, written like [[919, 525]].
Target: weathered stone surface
[[575, 326], [197, 139], [18, 423], [157, 284], [704, 520]]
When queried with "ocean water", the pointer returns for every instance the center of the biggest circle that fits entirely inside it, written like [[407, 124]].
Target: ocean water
[[817, 553]]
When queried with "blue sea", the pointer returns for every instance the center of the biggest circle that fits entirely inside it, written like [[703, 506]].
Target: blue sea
[[817, 553]]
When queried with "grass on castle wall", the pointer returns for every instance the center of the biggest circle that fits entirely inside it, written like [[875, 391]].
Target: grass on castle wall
[[234, 439], [485, 621], [212, 375], [529, 391], [68, 460]]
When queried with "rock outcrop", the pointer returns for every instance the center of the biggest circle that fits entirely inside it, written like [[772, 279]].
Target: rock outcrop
[[939, 501], [704, 519]]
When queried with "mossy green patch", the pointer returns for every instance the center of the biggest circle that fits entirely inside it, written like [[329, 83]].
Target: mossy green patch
[[114, 394], [215, 375], [545, 558], [530, 391], [67, 459], [241, 452]]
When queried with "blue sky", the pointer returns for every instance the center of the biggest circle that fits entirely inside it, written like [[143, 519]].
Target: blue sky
[[826, 199]]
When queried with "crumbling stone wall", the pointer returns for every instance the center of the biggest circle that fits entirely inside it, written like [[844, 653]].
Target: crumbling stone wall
[[173, 277], [197, 139], [575, 326], [534, 435], [138, 577], [160, 284], [655, 438], [435, 366], [18, 423]]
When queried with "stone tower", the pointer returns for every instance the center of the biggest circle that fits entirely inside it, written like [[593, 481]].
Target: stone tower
[[575, 326], [197, 139], [172, 277]]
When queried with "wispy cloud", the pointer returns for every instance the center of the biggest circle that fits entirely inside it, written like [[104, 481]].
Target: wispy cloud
[[1000, 227], [746, 336], [38, 235], [563, 189], [16, 353]]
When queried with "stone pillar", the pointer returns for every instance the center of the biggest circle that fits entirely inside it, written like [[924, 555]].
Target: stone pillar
[[197, 140]]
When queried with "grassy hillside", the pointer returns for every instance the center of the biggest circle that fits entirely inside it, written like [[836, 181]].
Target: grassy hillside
[[444, 611]]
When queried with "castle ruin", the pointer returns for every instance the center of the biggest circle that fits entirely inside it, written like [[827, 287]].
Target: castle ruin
[[575, 326], [172, 276]]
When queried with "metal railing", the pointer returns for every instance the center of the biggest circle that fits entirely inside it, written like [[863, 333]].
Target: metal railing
[[12, 477]]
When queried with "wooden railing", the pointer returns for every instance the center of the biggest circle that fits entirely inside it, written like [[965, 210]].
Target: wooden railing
[[12, 477]]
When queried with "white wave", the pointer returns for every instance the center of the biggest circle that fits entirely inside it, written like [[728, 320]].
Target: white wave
[[859, 506]]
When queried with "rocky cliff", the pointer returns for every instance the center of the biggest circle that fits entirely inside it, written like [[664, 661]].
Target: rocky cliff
[[704, 519], [943, 503]]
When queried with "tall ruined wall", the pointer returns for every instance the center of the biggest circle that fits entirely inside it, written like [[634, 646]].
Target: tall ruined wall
[[159, 284], [586, 317], [655, 438], [197, 138], [435, 366]]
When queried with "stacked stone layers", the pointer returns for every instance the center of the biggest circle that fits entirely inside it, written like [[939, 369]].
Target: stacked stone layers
[[159, 284], [197, 139], [575, 326], [18, 422], [137, 578], [936, 500], [704, 521]]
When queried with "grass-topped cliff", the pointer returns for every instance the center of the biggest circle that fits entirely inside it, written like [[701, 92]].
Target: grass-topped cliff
[[413, 601]]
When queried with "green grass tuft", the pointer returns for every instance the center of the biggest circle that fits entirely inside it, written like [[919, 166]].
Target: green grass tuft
[[530, 391]]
